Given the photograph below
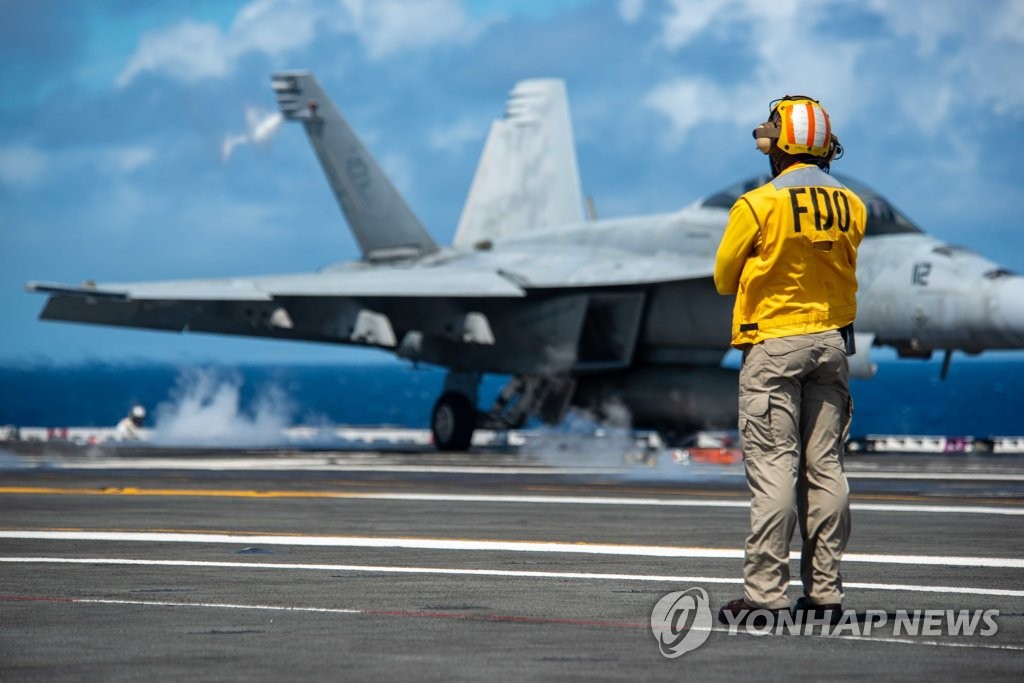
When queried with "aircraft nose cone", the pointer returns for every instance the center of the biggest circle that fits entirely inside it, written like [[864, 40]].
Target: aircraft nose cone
[[1010, 309]]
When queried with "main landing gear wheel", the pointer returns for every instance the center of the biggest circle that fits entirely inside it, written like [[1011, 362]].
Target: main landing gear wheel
[[452, 422]]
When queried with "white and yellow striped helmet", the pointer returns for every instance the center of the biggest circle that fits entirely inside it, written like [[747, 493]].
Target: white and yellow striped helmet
[[798, 125]]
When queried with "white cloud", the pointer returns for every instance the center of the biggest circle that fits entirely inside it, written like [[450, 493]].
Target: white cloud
[[630, 10], [947, 61], [1008, 22], [788, 60], [688, 18], [277, 27], [926, 106], [973, 51], [389, 26], [191, 51], [129, 159], [26, 166], [22, 164], [927, 24], [109, 162], [680, 100]]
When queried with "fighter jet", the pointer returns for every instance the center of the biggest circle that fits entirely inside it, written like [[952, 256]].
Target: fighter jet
[[578, 312]]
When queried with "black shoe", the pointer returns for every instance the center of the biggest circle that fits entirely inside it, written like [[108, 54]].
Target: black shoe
[[738, 612], [804, 608]]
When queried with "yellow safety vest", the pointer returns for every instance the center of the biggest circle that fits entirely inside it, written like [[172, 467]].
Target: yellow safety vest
[[789, 253]]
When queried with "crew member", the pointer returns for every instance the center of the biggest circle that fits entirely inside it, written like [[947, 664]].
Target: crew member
[[789, 254], [128, 429]]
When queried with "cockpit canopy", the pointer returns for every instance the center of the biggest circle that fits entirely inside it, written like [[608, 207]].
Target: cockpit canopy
[[883, 218]]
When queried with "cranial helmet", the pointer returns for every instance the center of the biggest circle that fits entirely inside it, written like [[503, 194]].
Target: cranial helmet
[[799, 126]]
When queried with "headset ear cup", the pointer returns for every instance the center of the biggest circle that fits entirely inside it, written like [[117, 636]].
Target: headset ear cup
[[765, 134], [835, 149]]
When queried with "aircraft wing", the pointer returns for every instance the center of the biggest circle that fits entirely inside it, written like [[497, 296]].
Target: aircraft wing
[[336, 306], [508, 312], [339, 282], [511, 275]]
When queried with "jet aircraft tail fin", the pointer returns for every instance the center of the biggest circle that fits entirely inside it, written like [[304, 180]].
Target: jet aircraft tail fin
[[527, 177], [382, 223]]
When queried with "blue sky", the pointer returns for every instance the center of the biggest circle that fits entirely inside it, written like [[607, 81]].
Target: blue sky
[[114, 117]]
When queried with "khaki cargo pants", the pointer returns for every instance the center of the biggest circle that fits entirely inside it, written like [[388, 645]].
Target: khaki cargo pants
[[795, 411]]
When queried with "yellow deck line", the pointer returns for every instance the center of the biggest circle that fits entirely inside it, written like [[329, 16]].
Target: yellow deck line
[[355, 495]]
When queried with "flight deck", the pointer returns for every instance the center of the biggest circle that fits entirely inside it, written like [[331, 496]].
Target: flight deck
[[503, 563]]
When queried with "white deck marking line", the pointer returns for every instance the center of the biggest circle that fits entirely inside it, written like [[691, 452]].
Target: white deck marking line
[[319, 464], [660, 502], [332, 464], [458, 544], [529, 499], [931, 643], [223, 605], [510, 573], [943, 509], [943, 476]]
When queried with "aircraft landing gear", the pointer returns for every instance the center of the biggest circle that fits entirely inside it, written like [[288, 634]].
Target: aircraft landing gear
[[454, 418], [452, 422], [528, 396]]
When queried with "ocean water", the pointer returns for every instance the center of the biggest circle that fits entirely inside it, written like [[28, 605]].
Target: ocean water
[[979, 397]]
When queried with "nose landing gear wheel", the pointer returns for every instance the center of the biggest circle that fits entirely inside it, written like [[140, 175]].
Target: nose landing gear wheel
[[452, 422]]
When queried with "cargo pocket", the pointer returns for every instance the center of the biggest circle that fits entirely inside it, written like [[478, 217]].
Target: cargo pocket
[[756, 422], [847, 420]]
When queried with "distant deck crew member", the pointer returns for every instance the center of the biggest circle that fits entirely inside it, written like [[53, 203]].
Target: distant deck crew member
[[128, 429], [789, 254]]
